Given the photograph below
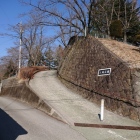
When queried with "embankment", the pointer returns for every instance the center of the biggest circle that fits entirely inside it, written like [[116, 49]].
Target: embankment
[[22, 91], [120, 89]]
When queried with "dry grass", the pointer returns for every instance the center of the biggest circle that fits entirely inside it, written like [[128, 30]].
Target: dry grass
[[27, 73], [128, 53]]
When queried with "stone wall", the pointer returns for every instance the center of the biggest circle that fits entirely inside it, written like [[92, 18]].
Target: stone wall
[[120, 89]]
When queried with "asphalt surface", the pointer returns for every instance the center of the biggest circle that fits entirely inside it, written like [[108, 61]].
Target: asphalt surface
[[74, 109], [23, 122], [10, 129]]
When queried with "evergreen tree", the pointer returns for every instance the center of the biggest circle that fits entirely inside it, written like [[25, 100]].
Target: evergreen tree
[[11, 69], [116, 29], [116, 18]]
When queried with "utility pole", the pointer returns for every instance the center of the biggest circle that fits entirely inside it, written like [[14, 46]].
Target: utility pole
[[20, 44]]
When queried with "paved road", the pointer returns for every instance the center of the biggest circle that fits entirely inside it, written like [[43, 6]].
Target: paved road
[[74, 109], [18, 120]]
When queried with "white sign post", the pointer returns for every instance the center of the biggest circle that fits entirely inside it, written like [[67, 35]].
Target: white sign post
[[103, 72], [102, 110]]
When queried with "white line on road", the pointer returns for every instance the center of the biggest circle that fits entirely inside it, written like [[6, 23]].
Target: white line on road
[[114, 133]]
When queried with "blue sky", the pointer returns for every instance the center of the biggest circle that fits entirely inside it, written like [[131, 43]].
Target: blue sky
[[9, 15]]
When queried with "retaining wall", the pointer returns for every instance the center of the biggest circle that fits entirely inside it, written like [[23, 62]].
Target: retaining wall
[[121, 89], [22, 91]]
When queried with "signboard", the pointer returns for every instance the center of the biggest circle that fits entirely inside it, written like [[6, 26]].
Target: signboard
[[106, 71]]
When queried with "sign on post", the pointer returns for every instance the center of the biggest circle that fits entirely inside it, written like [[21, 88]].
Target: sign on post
[[106, 71]]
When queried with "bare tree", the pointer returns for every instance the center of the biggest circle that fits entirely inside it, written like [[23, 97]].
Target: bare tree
[[107, 11], [34, 40], [33, 43], [59, 53], [131, 12], [73, 17], [9, 63], [102, 14]]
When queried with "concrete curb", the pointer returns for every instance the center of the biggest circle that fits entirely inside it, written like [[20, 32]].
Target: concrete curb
[[24, 93]]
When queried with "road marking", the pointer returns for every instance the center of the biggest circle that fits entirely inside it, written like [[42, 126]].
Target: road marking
[[114, 133]]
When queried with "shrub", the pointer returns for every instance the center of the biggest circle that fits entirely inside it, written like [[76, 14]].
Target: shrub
[[28, 72], [116, 29]]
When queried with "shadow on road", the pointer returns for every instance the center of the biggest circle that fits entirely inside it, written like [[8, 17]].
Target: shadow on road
[[9, 128]]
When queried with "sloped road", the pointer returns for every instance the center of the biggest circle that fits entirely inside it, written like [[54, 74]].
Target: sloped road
[[22, 122], [74, 109]]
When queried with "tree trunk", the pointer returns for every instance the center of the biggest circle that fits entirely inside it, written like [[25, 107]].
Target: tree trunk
[[108, 32], [125, 37]]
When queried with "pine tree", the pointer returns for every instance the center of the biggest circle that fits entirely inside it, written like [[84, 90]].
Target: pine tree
[[128, 13]]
